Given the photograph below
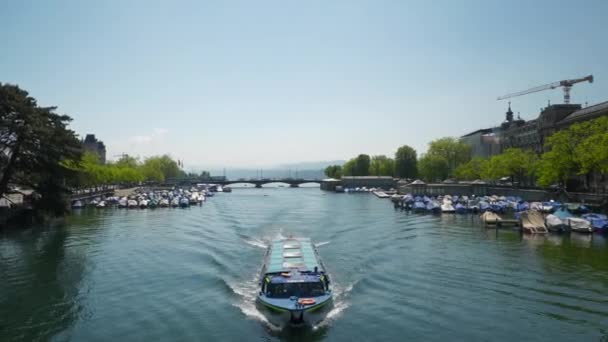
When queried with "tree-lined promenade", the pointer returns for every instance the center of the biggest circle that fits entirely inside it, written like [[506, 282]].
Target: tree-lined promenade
[[38, 151], [580, 150]]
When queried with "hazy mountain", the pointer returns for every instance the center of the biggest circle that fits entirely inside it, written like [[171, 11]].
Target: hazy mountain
[[311, 165]]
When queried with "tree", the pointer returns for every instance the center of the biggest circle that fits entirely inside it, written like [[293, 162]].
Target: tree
[[361, 167], [433, 167], [334, 171], [472, 170], [452, 150], [381, 166], [406, 162], [578, 150], [34, 144], [515, 163]]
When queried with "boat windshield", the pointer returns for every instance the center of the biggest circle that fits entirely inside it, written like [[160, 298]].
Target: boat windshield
[[286, 290]]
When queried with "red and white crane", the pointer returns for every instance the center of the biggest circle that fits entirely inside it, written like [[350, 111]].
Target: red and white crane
[[565, 84]]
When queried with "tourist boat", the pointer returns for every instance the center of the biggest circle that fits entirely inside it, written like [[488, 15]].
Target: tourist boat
[[143, 204], [175, 202], [294, 283], [599, 222], [164, 203], [101, 204], [153, 203], [122, 203]]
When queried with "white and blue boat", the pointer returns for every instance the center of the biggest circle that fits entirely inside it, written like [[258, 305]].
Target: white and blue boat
[[294, 284]]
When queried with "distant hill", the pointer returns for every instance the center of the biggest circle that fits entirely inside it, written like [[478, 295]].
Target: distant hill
[[311, 165]]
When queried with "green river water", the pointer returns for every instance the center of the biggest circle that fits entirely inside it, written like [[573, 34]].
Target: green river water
[[191, 274]]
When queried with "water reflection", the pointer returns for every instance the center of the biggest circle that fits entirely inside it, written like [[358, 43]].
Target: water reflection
[[39, 291]]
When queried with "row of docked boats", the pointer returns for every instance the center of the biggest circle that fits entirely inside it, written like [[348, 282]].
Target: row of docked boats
[[143, 199], [532, 217]]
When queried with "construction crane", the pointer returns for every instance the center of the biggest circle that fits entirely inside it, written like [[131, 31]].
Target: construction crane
[[565, 84]]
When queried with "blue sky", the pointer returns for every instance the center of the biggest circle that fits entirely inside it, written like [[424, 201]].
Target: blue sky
[[261, 83]]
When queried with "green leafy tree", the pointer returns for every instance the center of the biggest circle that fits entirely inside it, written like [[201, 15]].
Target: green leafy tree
[[406, 162], [381, 165], [578, 150], [472, 170], [334, 171], [361, 167], [433, 167], [515, 163], [451, 150], [35, 148]]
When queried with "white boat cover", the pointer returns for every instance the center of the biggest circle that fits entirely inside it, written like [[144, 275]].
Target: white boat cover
[[490, 217], [554, 222], [532, 221], [579, 225]]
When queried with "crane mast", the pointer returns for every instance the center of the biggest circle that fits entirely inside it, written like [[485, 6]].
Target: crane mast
[[565, 84]]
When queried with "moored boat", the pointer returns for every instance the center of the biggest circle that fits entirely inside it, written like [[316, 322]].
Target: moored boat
[[184, 202], [77, 205], [131, 204], [294, 283], [599, 222]]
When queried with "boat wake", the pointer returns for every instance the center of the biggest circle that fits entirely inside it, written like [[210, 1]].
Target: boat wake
[[256, 243], [322, 243], [247, 291], [340, 304]]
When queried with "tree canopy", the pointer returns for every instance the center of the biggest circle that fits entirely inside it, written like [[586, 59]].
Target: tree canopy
[[433, 167], [577, 150], [452, 150], [34, 141], [334, 171], [406, 162], [381, 165], [358, 166]]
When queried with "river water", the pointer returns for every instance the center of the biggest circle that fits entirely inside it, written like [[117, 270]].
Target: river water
[[191, 274]]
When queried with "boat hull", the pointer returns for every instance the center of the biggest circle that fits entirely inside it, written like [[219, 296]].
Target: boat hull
[[307, 316]]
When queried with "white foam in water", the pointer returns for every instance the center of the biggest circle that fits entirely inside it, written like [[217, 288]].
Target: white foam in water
[[256, 243], [322, 243]]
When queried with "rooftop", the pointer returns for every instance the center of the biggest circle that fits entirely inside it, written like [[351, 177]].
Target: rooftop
[[292, 254], [598, 109], [367, 177]]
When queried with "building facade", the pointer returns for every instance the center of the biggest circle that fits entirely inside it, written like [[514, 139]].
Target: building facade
[[91, 144], [532, 134], [484, 142]]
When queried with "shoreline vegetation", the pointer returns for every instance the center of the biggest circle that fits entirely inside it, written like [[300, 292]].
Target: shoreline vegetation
[[573, 158], [39, 151], [40, 154]]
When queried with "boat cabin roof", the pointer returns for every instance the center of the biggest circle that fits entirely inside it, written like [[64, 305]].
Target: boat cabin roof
[[292, 254]]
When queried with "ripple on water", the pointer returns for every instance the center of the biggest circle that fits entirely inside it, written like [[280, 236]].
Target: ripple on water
[[175, 274]]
